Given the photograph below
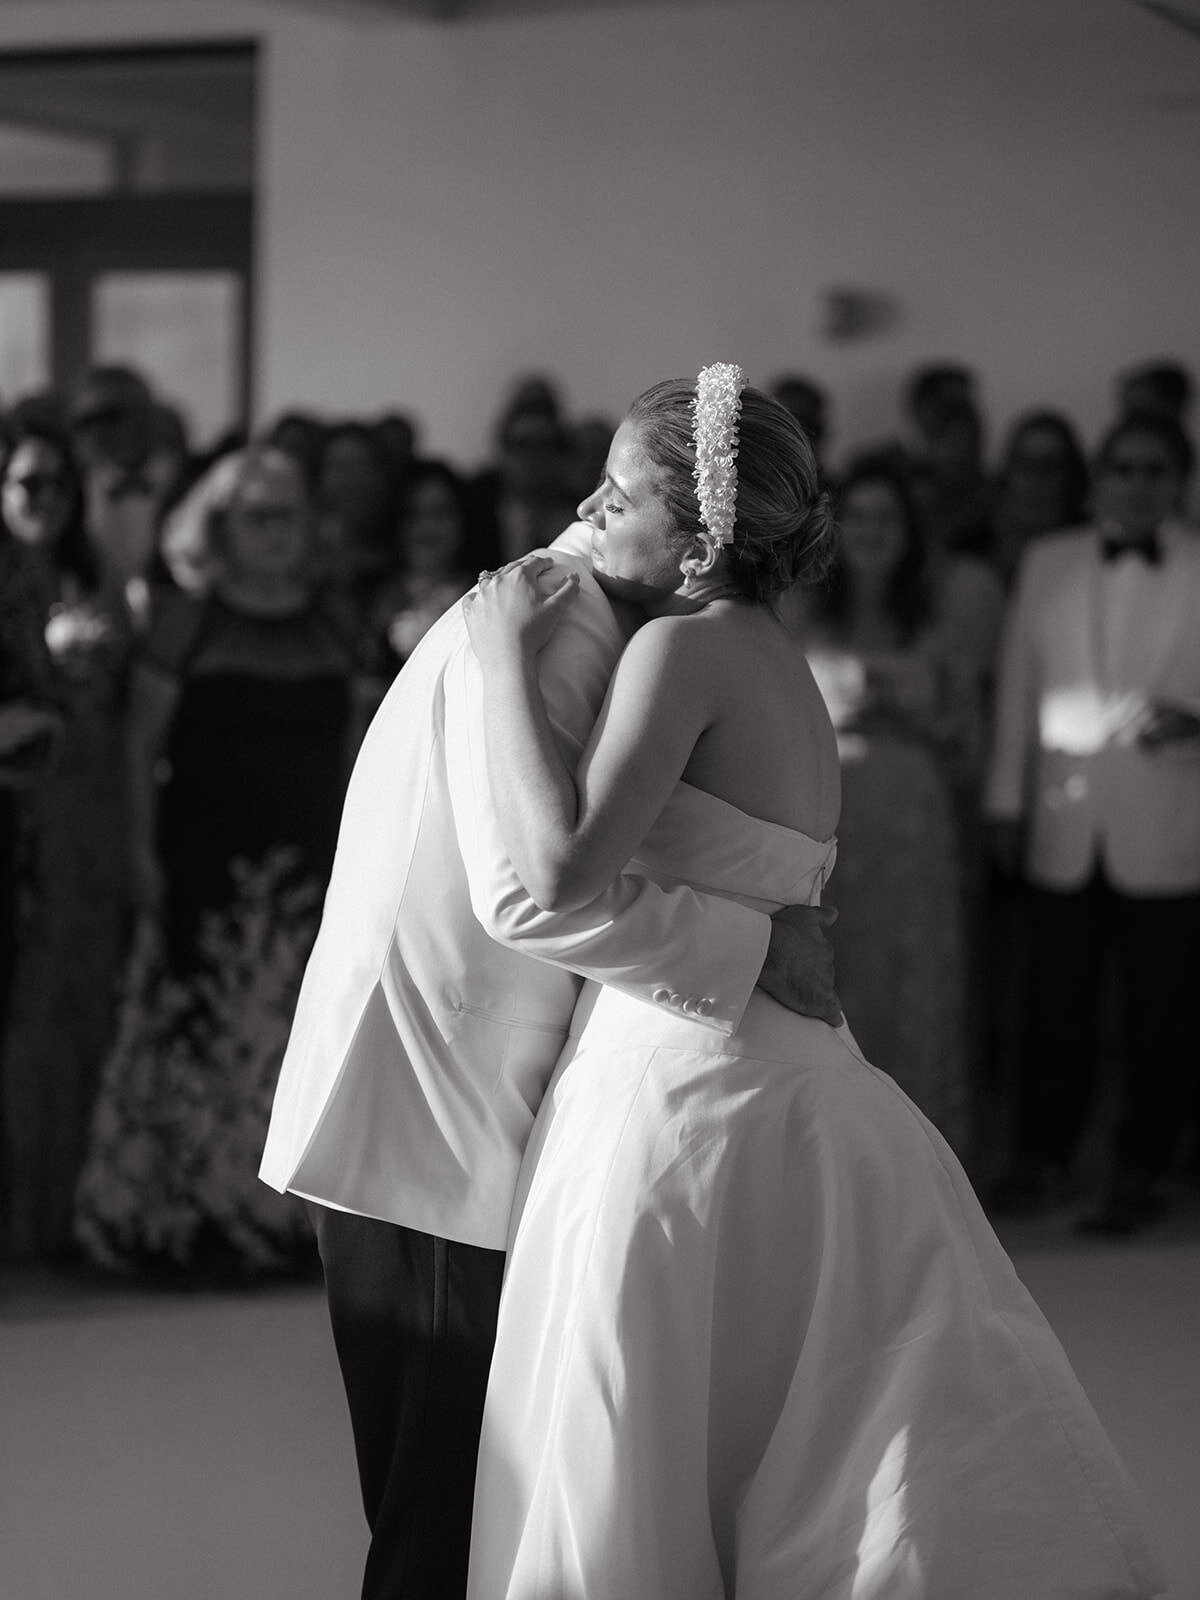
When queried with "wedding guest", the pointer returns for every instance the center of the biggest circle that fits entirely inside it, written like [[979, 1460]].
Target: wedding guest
[[902, 711], [1094, 793], [968, 597], [807, 402], [43, 406], [587, 452], [111, 419], [241, 712], [1041, 486], [932, 387], [239, 689], [534, 391], [356, 513], [397, 433], [30, 727], [1156, 388], [185, 545], [950, 477], [72, 913], [523, 502], [939, 453], [298, 434], [1160, 389], [169, 457], [433, 538]]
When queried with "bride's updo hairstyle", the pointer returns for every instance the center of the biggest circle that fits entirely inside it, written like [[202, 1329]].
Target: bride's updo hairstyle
[[784, 532]]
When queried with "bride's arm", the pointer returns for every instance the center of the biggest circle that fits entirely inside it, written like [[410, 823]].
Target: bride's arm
[[569, 834]]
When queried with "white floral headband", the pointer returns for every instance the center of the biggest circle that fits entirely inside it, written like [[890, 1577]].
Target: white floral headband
[[715, 413]]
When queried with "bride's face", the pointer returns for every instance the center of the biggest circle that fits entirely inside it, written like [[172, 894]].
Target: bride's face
[[635, 545]]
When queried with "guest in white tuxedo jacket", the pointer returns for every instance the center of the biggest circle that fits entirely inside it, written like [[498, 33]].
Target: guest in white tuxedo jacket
[[1094, 793], [432, 1013]]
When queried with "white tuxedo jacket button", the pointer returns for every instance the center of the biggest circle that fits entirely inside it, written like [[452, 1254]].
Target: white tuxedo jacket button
[[690, 1005], [704, 1007], [676, 1000], [662, 997]]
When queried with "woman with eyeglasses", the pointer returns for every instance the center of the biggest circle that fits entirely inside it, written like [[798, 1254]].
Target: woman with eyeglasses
[[71, 880], [240, 736]]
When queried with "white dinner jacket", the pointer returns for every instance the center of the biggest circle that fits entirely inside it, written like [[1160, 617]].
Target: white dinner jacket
[[437, 996], [1076, 672]]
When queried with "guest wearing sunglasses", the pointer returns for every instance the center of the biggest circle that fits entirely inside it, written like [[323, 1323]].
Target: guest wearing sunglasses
[[71, 883], [1095, 799]]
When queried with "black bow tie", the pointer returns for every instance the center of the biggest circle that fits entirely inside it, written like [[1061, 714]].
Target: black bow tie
[[1148, 549]]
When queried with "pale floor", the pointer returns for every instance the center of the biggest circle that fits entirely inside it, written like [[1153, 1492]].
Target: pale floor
[[183, 1446]]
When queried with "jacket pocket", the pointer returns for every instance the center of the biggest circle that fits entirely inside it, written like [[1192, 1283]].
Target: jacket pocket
[[505, 1020]]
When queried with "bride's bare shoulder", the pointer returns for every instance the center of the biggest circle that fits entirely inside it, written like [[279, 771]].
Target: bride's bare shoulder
[[689, 642], [719, 656]]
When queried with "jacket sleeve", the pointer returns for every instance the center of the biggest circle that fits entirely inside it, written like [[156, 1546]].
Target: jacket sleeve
[[1016, 711], [672, 947]]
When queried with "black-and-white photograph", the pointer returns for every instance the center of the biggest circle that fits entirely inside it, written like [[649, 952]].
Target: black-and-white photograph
[[599, 800]]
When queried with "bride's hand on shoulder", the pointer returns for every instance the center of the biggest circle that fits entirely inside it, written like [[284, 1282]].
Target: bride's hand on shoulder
[[513, 613]]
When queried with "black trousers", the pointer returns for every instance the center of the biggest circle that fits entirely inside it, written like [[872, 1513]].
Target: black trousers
[[1150, 948], [414, 1322]]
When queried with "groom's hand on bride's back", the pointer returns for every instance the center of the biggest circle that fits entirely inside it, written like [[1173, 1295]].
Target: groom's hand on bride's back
[[799, 969]]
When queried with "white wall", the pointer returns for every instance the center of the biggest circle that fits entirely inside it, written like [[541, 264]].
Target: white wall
[[616, 194]]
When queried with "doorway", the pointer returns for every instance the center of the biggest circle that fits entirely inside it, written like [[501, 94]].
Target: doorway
[[152, 266]]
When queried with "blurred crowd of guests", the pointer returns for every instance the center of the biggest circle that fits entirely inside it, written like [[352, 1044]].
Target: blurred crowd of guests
[[1012, 659], [191, 646]]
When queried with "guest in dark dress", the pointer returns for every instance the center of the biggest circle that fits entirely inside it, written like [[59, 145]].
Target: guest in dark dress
[[241, 714], [72, 910]]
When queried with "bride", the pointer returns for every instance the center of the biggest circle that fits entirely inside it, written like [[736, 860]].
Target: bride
[[757, 1338]]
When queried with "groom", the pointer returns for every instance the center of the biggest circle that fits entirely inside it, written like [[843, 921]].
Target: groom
[[432, 1012]]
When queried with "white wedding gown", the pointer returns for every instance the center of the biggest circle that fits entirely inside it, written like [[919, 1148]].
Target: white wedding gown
[[757, 1338]]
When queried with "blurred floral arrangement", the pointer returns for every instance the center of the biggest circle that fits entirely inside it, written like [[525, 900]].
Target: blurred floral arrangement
[[186, 1092]]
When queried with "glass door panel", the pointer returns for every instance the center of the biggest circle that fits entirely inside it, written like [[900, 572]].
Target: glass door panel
[[25, 333], [183, 330]]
